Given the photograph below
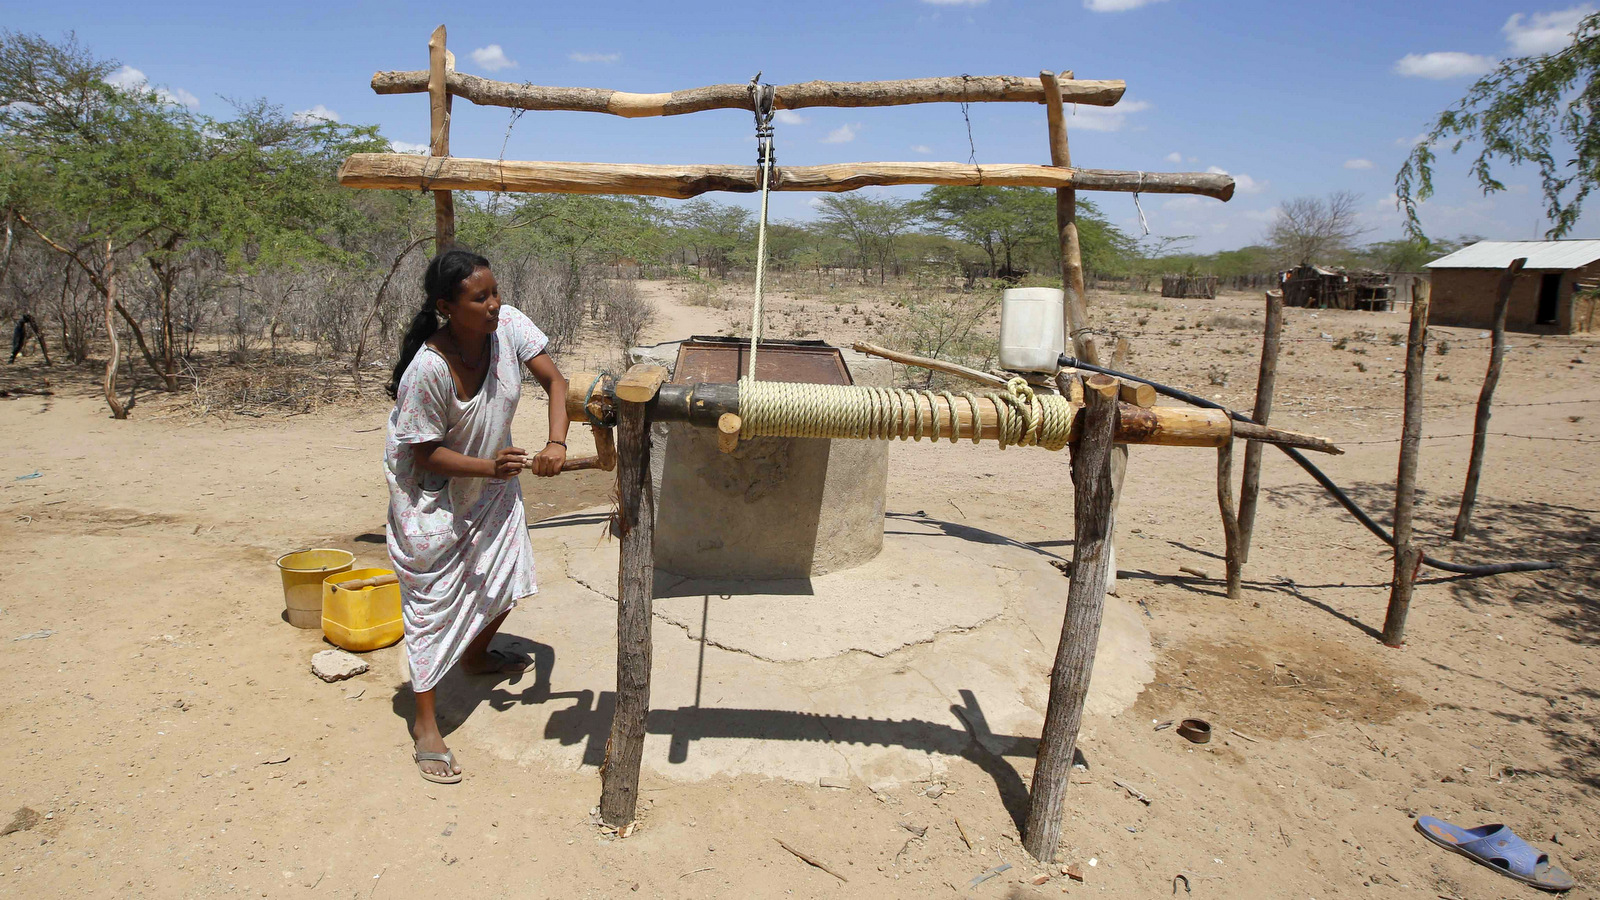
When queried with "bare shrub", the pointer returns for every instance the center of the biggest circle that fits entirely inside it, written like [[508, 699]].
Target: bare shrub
[[540, 290], [625, 311], [1234, 323], [706, 294], [954, 327]]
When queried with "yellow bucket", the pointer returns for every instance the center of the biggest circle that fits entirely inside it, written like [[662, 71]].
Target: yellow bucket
[[302, 573], [364, 619]]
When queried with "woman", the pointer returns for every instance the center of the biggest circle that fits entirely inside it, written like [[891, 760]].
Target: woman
[[458, 535]]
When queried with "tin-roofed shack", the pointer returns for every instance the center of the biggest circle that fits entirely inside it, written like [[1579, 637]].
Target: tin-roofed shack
[[1543, 299]]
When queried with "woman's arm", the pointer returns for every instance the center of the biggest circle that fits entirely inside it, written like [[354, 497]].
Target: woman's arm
[[441, 460], [548, 461]]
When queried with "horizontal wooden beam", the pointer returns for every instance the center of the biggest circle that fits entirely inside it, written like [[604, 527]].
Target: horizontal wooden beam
[[959, 89], [404, 171]]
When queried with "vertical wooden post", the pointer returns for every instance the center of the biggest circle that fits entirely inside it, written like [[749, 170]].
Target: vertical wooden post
[[1250, 488], [1076, 309], [1119, 471], [439, 67], [1407, 556], [1080, 630], [1480, 424], [1233, 559], [619, 774]]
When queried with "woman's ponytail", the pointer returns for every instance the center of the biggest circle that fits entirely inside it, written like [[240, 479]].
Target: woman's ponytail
[[440, 281]]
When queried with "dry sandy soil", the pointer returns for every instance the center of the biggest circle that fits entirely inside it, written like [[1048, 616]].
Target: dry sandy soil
[[165, 737]]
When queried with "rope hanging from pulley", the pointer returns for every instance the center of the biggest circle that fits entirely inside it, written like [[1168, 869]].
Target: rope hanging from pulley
[[762, 98]]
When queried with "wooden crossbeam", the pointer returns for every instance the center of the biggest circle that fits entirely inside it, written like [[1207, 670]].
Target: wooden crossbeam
[[404, 171], [958, 89]]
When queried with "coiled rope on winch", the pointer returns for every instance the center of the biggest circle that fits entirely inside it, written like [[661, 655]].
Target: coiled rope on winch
[[1023, 418]]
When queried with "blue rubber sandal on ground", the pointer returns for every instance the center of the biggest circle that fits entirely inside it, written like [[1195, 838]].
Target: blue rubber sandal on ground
[[1498, 848]]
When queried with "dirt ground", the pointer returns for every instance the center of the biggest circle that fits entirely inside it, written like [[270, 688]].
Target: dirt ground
[[166, 738]]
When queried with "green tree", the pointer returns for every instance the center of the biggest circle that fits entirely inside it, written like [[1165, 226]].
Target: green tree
[[1533, 109], [1001, 221], [871, 225]]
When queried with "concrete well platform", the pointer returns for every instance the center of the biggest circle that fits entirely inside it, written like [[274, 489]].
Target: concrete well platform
[[874, 674]]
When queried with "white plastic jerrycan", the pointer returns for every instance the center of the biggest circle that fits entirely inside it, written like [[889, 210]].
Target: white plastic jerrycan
[[1031, 329]]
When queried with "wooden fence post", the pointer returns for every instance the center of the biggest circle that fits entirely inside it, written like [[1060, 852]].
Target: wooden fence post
[[619, 774], [1407, 557], [1232, 555], [1250, 488], [440, 64], [1480, 424], [1080, 630], [108, 276]]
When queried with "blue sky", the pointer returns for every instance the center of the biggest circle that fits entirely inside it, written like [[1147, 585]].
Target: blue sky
[[1291, 98]]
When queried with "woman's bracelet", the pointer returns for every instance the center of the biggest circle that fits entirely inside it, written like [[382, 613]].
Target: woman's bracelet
[[562, 443]]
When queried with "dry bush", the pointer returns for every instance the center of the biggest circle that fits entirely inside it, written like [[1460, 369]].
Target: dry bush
[[955, 327], [257, 390], [1234, 323], [625, 311], [541, 291], [706, 294]]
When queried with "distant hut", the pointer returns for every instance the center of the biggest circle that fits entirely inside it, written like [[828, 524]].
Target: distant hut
[[1322, 287], [1543, 298], [1201, 287]]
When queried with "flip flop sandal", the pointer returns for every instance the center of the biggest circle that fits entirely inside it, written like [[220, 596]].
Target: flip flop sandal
[[1498, 848], [503, 661], [447, 757]]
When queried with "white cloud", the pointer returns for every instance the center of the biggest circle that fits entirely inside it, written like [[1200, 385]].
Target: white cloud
[[178, 97], [922, 148], [127, 78], [1446, 64], [1242, 183], [493, 58], [1412, 141], [788, 117], [407, 147], [1174, 157], [131, 80], [1187, 201], [594, 57], [1106, 118], [1358, 164], [1115, 5], [318, 113], [844, 134], [1545, 32]]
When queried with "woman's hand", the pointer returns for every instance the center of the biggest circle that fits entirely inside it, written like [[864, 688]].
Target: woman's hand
[[510, 462], [548, 461]]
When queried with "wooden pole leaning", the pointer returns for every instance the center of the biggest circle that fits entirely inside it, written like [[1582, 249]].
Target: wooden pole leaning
[[1491, 379], [1080, 630], [1075, 308], [1407, 556], [439, 68], [619, 774], [1233, 559], [1250, 489]]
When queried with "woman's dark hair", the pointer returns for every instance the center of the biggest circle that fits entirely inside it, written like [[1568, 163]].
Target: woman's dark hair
[[440, 282]]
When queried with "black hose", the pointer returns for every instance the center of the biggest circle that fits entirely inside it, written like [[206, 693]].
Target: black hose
[[1320, 476]]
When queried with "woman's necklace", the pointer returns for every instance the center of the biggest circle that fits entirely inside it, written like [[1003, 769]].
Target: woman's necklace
[[461, 352]]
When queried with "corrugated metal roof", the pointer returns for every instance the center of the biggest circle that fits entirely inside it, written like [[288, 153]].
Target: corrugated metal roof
[[1540, 254]]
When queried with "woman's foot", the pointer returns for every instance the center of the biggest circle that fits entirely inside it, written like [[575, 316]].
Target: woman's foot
[[494, 662], [440, 770]]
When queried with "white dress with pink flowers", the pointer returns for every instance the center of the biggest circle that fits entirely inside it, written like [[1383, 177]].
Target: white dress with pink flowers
[[459, 545]]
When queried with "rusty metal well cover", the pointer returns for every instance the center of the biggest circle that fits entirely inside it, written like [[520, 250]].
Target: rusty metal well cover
[[722, 360]]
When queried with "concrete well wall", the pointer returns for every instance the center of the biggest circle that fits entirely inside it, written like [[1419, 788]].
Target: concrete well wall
[[775, 508]]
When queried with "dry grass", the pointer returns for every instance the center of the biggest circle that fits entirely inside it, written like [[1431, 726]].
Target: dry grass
[[259, 389]]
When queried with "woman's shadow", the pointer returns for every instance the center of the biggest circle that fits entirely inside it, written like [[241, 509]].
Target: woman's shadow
[[459, 695]]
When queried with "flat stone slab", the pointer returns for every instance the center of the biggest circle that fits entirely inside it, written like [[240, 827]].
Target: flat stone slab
[[878, 675], [337, 665]]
